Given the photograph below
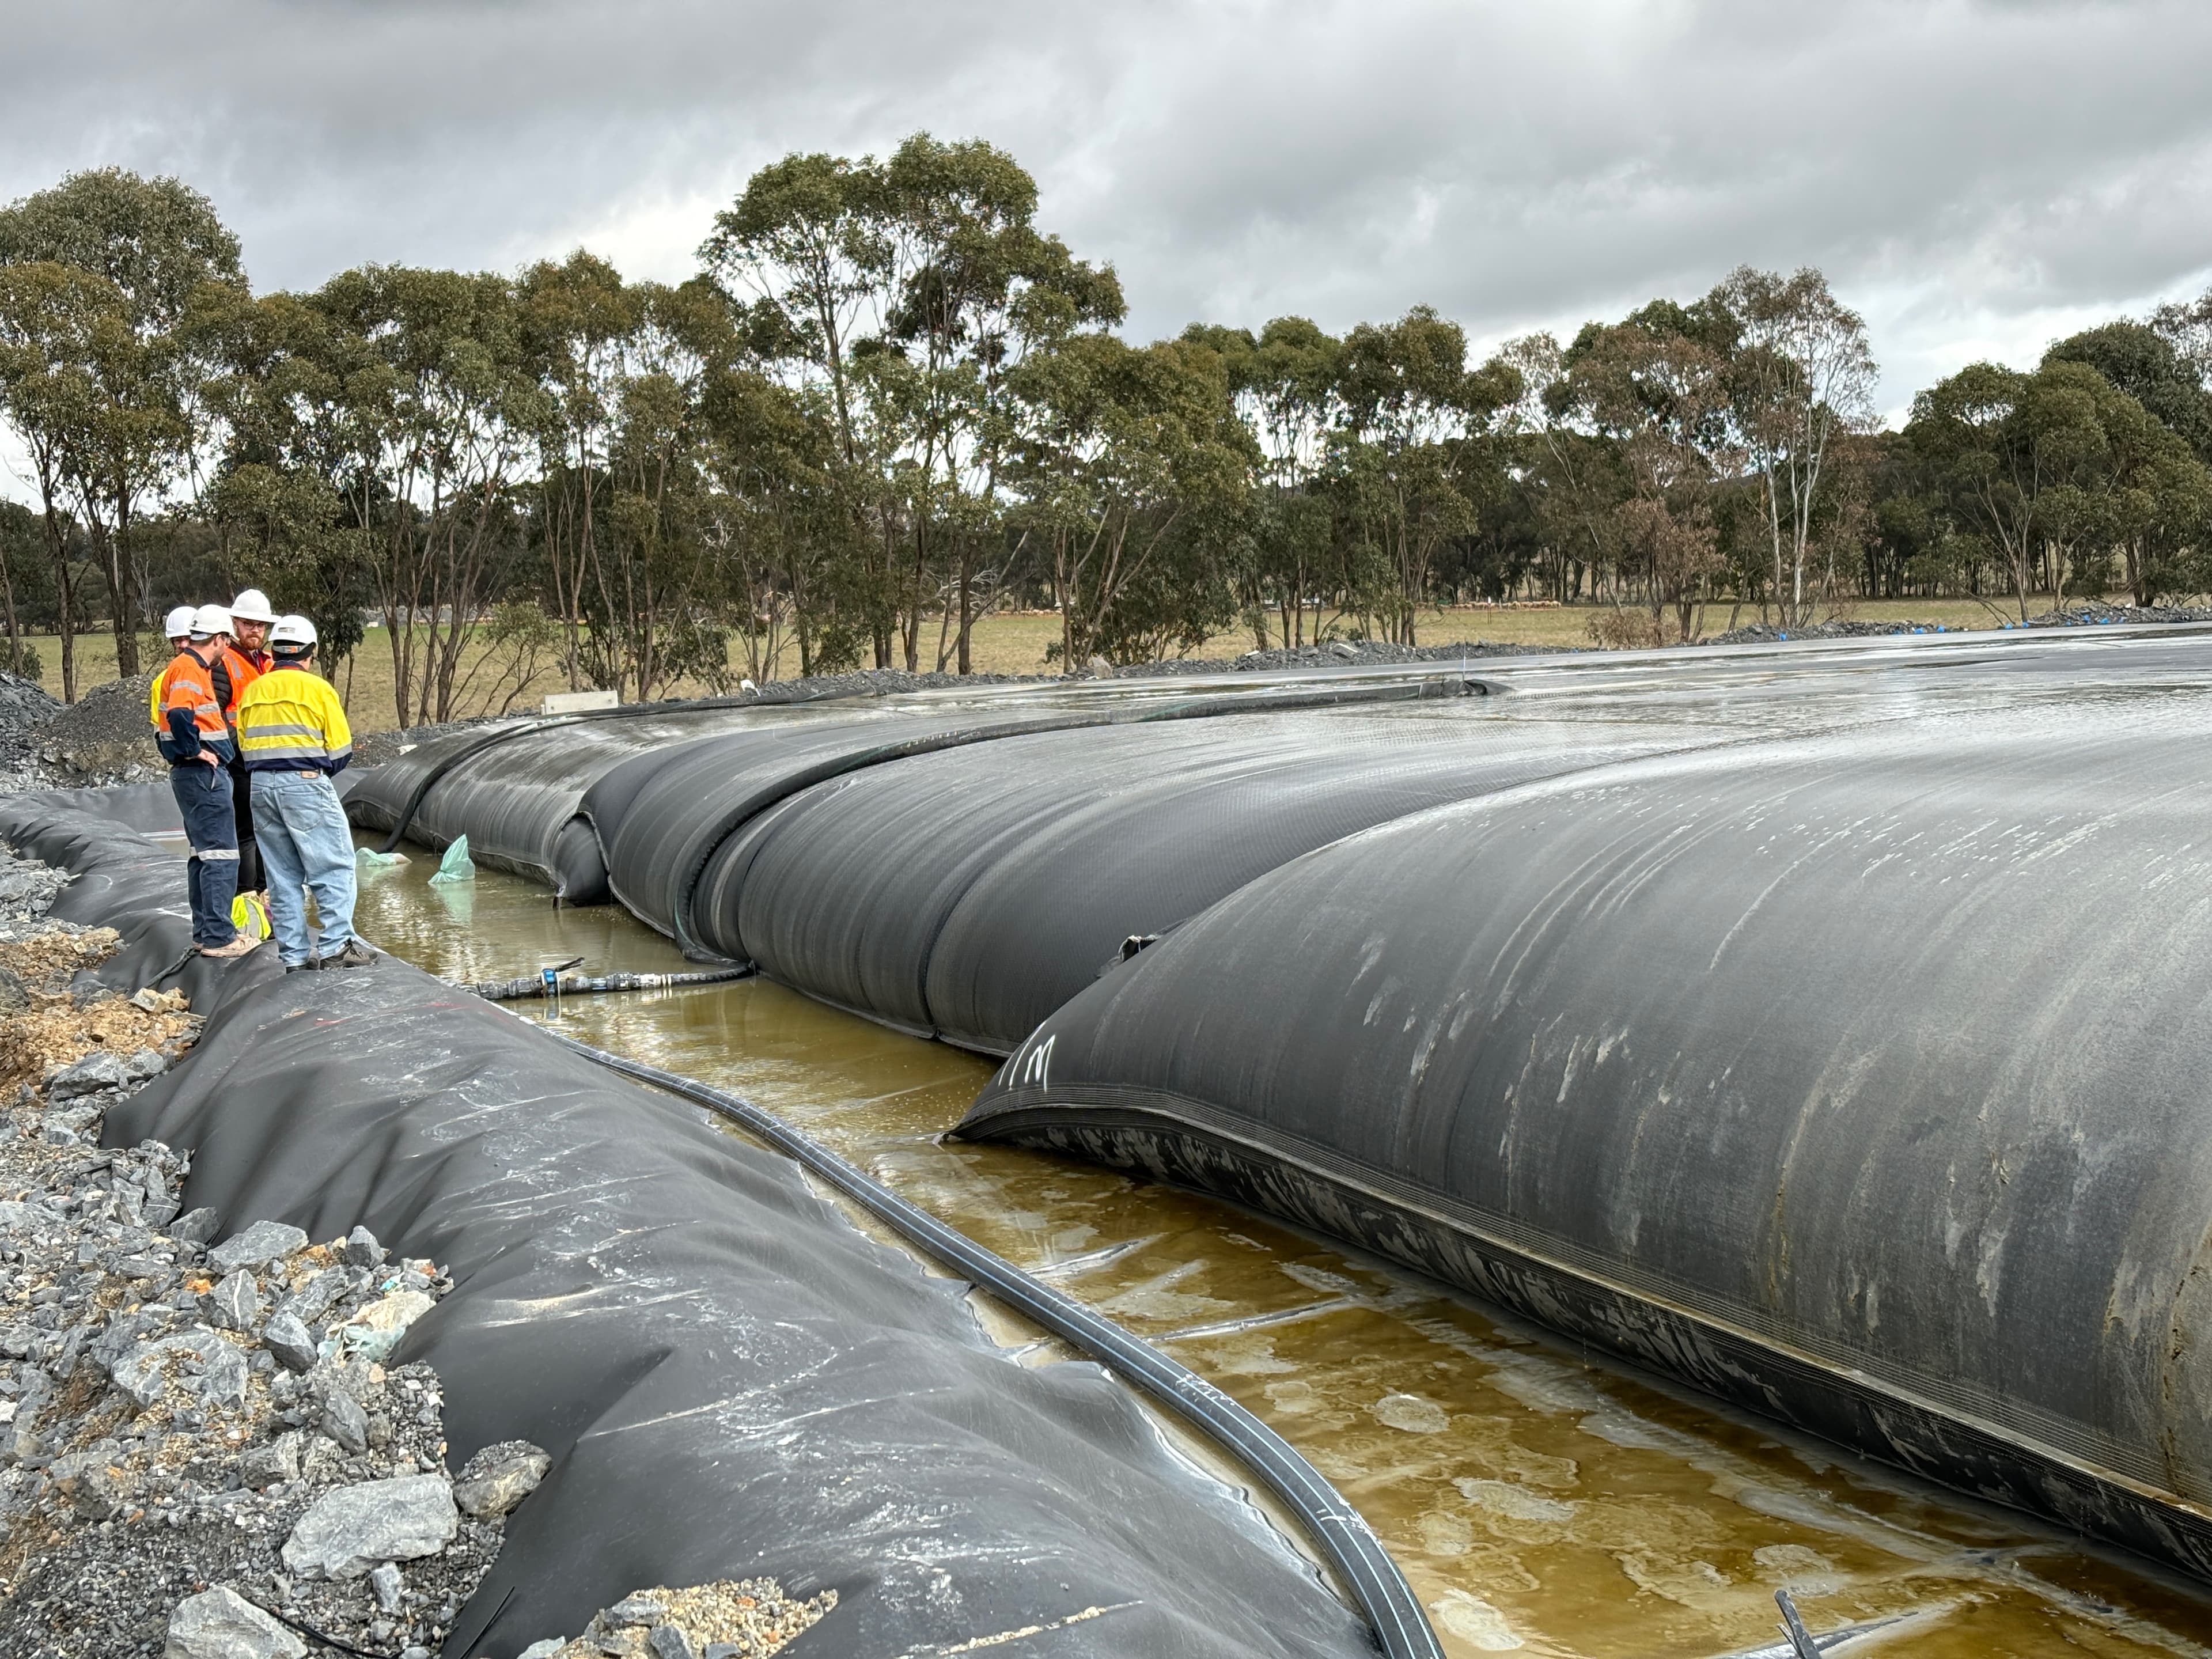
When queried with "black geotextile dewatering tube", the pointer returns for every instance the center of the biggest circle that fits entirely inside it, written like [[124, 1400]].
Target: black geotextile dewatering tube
[[1401, 1626], [492, 739]]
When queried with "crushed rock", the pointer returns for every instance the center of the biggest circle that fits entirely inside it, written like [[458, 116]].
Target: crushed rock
[[1336, 653], [2096, 615], [156, 1445], [1773, 633], [731, 1619], [103, 738]]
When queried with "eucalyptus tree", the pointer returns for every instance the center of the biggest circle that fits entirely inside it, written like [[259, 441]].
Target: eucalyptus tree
[[153, 244], [1284, 384], [1413, 420], [1802, 376], [59, 326], [1658, 392], [577, 317], [2009, 449], [1124, 452], [432, 429]]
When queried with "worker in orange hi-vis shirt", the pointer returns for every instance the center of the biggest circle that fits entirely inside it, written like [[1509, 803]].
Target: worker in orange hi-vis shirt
[[196, 740]]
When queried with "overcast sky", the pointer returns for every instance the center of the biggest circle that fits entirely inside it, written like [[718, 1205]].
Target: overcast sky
[[1977, 178]]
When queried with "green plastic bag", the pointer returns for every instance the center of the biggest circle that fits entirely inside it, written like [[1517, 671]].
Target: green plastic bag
[[369, 859], [456, 865]]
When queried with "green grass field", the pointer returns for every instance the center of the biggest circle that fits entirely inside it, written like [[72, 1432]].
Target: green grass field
[[1016, 644]]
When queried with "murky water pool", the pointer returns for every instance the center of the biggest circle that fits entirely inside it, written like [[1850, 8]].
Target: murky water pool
[[1542, 1501]]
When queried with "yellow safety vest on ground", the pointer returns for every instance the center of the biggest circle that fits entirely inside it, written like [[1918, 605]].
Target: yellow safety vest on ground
[[290, 719]]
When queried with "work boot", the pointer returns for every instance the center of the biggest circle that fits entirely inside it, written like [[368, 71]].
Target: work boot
[[355, 955], [238, 945], [307, 967]]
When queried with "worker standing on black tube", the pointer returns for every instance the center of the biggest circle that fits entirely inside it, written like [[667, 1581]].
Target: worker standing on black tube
[[293, 730], [244, 659], [196, 740]]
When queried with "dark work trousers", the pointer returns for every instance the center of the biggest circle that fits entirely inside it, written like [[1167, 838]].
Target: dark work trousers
[[249, 854], [203, 798]]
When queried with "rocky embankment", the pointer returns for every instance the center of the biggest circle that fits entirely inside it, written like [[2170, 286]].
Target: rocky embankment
[[205, 1449]]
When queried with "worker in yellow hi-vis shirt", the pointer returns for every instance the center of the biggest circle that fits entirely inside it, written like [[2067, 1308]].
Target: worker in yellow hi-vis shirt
[[293, 734]]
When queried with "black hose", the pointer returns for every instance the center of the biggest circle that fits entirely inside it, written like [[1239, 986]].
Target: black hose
[[1383, 1596], [518, 990]]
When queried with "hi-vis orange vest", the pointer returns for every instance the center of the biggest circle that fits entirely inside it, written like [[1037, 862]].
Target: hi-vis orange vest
[[191, 687]]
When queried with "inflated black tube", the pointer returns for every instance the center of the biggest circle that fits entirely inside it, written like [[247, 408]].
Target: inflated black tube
[[1021, 866], [1859, 1080], [678, 807], [1401, 1627]]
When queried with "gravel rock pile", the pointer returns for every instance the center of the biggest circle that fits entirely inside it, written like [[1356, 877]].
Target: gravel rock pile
[[1336, 655], [203, 1451], [1768, 633], [735, 1619], [2090, 616], [26, 712], [103, 738]]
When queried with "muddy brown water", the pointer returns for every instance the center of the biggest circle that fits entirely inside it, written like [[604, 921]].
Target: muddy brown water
[[1541, 1499]]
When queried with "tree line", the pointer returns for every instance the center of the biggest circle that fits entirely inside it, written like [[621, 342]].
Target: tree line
[[889, 404]]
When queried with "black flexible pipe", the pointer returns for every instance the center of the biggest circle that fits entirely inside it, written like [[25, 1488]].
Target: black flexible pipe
[[569, 985], [1394, 1613]]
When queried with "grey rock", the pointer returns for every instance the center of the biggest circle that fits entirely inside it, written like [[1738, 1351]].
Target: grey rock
[[124, 1332], [146, 1372], [346, 1531], [489, 1487], [90, 1481], [345, 1422], [67, 1123], [237, 1301], [312, 1300], [265, 1465], [98, 1070], [385, 1585], [196, 1226], [285, 1337], [636, 1612], [144, 1063], [667, 1641], [222, 1378], [221, 1624], [544, 1649], [722, 1651], [85, 988], [414, 1653], [13, 994], [27, 1218], [263, 1243], [362, 1249]]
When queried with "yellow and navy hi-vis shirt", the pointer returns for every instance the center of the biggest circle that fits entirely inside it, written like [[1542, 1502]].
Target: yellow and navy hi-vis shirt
[[161, 692], [290, 720]]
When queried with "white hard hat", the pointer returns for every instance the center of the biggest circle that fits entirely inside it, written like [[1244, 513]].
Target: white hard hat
[[209, 621], [179, 624], [296, 632], [253, 606]]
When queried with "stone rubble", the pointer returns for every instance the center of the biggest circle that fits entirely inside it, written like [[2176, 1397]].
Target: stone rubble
[[204, 1451], [733, 1618]]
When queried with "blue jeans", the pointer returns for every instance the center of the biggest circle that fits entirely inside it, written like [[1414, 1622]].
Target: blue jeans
[[204, 799], [306, 847]]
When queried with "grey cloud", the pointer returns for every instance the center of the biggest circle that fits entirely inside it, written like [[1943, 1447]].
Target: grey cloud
[[1973, 176]]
